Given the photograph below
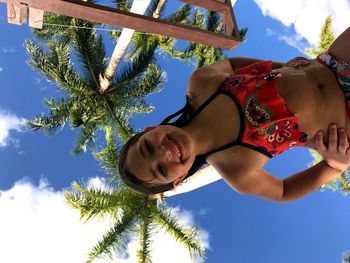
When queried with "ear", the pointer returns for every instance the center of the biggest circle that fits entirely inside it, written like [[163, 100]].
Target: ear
[[149, 128], [178, 181]]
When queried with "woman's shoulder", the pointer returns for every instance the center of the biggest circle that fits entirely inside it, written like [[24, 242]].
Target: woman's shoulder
[[203, 84]]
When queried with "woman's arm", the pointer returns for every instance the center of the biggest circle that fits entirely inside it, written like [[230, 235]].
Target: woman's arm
[[267, 186], [258, 182], [231, 65], [340, 47], [305, 182], [241, 62]]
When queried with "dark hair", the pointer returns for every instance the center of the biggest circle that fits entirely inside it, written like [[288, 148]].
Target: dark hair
[[139, 186]]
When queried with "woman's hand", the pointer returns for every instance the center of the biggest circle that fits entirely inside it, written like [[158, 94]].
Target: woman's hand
[[298, 62], [337, 153]]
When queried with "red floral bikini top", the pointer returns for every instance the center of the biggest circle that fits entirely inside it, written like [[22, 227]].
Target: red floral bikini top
[[267, 125]]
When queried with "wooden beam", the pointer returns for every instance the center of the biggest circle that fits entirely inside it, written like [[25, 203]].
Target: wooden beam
[[111, 16], [17, 13], [229, 21], [214, 5], [224, 7], [36, 18]]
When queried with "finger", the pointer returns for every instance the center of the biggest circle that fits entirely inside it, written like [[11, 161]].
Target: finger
[[333, 137], [305, 62], [319, 143], [299, 58], [343, 141]]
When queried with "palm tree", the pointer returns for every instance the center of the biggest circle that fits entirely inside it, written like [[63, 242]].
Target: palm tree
[[326, 39], [124, 95], [203, 54], [130, 212], [83, 105]]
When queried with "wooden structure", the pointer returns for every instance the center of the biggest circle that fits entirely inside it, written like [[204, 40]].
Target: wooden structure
[[19, 10]]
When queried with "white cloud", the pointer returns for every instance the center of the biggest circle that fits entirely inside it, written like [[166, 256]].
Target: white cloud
[[1, 69], [295, 41], [8, 50], [307, 17], [8, 122], [36, 225]]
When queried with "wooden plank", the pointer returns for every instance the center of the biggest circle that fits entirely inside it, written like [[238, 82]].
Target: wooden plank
[[232, 27], [107, 15], [17, 13], [227, 15], [36, 18], [111, 16], [214, 5]]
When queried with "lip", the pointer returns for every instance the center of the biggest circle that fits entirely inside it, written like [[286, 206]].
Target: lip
[[178, 145]]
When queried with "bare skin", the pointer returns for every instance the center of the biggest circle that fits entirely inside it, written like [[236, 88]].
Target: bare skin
[[310, 91]]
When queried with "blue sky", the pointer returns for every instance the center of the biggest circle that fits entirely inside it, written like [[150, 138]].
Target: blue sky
[[36, 168]]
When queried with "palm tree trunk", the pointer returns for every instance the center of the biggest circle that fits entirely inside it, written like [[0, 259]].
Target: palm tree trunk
[[106, 77], [156, 13]]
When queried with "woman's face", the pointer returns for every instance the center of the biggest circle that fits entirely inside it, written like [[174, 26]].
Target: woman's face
[[163, 154]]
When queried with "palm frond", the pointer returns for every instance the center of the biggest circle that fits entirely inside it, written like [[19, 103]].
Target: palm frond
[[58, 116], [87, 137], [90, 51], [139, 65], [109, 156], [145, 230], [134, 105], [55, 26], [342, 183], [123, 5], [55, 65], [95, 202], [118, 118], [181, 15], [186, 236], [114, 240], [151, 81], [213, 21]]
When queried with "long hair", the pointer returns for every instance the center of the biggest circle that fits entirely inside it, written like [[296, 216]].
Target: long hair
[[139, 186]]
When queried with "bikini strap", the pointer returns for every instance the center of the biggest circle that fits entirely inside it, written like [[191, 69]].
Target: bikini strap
[[205, 103], [238, 141], [182, 110], [186, 109]]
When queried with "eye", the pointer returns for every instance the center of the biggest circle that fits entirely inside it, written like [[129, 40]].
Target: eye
[[162, 171], [149, 147]]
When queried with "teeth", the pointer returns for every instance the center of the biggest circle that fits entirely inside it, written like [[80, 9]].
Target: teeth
[[178, 151]]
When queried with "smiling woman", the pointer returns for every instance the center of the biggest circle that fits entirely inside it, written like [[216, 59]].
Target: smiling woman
[[240, 112], [162, 154]]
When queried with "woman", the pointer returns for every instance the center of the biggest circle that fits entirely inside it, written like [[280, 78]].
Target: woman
[[237, 122]]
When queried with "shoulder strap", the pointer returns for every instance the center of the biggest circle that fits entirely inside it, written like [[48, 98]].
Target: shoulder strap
[[205, 103], [241, 129], [183, 118]]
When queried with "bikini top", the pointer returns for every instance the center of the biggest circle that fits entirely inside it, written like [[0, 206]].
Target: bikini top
[[266, 123]]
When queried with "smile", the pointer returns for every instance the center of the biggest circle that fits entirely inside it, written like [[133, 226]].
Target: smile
[[177, 147]]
